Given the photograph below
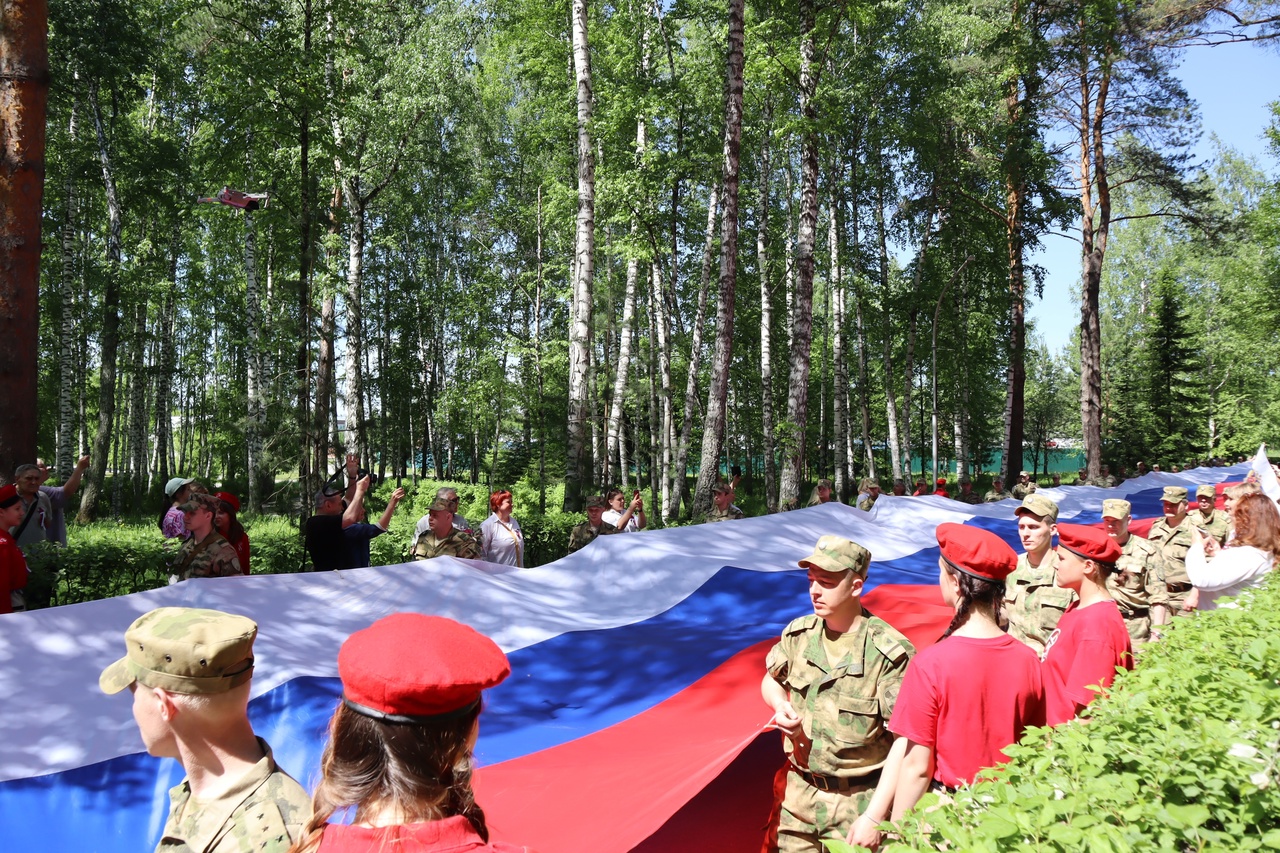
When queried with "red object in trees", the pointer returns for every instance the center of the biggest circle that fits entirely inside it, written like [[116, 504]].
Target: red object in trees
[[235, 198]]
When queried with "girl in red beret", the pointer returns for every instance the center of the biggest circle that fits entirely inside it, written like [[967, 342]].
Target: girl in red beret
[[973, 693], [399, 753], [1090, 641], [226, 523]]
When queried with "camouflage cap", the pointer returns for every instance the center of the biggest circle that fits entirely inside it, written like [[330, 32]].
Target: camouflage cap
[[722, 488], [1173, 494], [184, 650], [441, 505], [1037, 504], [1116, 508], [595, 502], [1206, 492], [834, 554], [199, 501]]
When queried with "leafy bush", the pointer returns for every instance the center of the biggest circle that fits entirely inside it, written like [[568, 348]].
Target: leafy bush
[[1183, 754]]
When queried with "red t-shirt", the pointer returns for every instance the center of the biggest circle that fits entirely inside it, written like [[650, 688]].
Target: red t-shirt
[[13, 570], [969, 698], [451, 835], [1087, 646], [242, 553]]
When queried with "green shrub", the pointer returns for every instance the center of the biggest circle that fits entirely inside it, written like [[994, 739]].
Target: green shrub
[[1183, 754]]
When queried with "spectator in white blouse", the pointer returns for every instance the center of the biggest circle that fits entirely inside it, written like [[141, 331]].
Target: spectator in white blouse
[[1218, 572], [501, 539]]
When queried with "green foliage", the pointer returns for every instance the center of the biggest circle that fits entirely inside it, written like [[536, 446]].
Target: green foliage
[[1183, 754]]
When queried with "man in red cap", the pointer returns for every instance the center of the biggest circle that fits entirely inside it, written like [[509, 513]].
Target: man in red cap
[[977, 690], [832, 680], [13, 566], [1091, 640]]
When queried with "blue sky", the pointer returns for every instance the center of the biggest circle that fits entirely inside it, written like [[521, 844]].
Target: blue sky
[[1234, 86]]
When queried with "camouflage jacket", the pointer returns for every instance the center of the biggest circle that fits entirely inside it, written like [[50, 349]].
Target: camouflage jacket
[[1020, 491], [1138, 582], [459, 543], [972, 498], [730, 514], [1033, 601], [266, 811], [582, 535], [844, 706], [1216, 526], [1173, 542], [213, 557], [993, 496], [866, 503]]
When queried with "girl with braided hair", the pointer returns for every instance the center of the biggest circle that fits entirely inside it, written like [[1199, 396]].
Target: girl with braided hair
[[973, 693], [399, 757]]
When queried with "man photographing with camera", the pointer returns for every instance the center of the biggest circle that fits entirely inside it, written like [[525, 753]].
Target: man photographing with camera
[[334, 513]]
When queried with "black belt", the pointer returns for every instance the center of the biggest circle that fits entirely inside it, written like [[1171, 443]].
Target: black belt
[[837, 783], [1178, 587], [936, 787], [1134, 612]]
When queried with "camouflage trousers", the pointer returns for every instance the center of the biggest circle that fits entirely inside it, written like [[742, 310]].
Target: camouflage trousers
[[804, 815], [1139, 628]]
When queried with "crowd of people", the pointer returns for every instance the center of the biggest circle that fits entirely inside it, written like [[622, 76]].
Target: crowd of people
[[869, 724]]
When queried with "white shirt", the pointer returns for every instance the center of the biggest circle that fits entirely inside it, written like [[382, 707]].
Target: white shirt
[[613, 516], [1231, 572], [502, 542]]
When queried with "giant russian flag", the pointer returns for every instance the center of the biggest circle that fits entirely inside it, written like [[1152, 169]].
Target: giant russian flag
[[636, 666]]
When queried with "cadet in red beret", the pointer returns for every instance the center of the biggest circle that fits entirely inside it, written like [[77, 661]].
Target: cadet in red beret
[[399, 751], [13, 565], [973, 693], [227, 524], [941, 490], [1091, 641]]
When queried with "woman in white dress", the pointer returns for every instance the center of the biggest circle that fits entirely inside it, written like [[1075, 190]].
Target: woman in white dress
[[1218, 572], [501, 539]]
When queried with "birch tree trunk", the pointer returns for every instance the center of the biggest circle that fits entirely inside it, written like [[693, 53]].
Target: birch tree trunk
[[356, 440], [766, 320], [718, 389], [66, 293], [836, 277], [891, 401], [695, 357], [167, 362], [658, 304], [110, 339], [253, 319], [802, 313], [913, 314], [576, 469]]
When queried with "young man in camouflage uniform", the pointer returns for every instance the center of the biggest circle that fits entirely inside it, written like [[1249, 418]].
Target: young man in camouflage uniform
[[585, 533], [1172, 535], [189, 672], [997, 492], [442, 539], [1033, 601], [1137, 584], [832, 681], [967, 495], [722, 506], [1024, 486], [205, 554], [1215, 523]]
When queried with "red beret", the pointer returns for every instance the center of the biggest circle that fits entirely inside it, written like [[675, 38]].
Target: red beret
[[228, 498], [1091, 543], [942, 481], [975, 551], [8, 495], [409, 665]]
